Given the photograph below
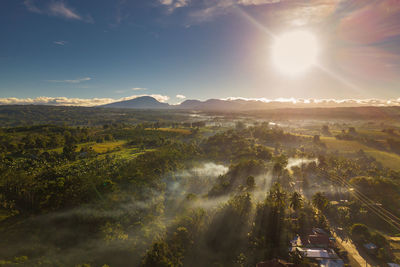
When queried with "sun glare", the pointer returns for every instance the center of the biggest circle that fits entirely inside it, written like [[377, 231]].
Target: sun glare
[[294, 52]]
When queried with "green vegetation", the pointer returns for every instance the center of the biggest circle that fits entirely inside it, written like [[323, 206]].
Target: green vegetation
[[175, 130], [161, 190]]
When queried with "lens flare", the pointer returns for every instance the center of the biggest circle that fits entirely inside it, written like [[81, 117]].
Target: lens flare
[[294, 52]]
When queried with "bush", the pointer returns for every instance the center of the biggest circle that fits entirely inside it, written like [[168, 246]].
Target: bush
[[379, 240], [384, 254], [360, 232]]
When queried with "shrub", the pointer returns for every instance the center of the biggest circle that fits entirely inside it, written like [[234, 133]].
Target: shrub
[[360, 232]]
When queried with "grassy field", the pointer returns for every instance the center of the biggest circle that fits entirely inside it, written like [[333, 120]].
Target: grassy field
[[124, 154], [373, 134], [173, 130], [388, 159], [110, 148], [303, 135], [343, 146], [129, 153], [106, 146], [97, 147]]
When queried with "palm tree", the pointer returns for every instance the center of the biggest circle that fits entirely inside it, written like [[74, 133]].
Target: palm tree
[[296, 201], [277, 196], [320, 201], [277, 170]]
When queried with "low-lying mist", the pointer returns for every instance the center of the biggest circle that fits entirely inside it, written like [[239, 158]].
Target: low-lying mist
[[197, 179], [115, 230], [118, 229], [292, 162]]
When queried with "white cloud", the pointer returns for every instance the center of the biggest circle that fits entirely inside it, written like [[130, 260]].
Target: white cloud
[[139, 89], [60, 9], [31, 7], [57, 9], [161, 98], [180, 96], [171, 5], [65, 101], [166, 2], [89, 102], [214, 8], [292, 12], [311, 12], [256, 2], [325, 102], [85, 79], [60, 42]]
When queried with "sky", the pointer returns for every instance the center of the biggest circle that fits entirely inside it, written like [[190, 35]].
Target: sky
[[98, 51]]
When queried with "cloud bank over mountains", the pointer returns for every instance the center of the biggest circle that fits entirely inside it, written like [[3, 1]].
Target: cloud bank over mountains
[[273, 103], [65, 101]]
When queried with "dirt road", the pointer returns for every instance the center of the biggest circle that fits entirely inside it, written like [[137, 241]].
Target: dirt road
[[352, 252]]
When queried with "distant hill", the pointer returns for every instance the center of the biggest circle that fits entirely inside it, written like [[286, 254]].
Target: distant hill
[[148, 102], [189, 104], [237, 105], [210, 104], [248, 105], [144, 102]]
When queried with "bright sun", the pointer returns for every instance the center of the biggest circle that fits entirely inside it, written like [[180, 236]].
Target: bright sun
[[295, 52]]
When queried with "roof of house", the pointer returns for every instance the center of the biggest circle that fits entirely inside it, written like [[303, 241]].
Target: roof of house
[[331, 263], [318, 253]]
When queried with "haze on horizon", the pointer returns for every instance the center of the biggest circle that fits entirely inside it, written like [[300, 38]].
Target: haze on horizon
[[96, 52]]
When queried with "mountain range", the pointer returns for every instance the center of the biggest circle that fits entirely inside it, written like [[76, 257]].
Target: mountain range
[[144, 102], [148, 102]]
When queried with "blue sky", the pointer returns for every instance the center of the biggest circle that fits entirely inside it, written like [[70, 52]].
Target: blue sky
[[198, 49]]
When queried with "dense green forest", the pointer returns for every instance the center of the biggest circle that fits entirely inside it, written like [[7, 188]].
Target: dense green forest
[[11, 116], [162, 189], [60, 115]]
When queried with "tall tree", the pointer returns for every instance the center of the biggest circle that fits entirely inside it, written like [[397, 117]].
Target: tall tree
[[320, 201], [296, 201], [277, 196]]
